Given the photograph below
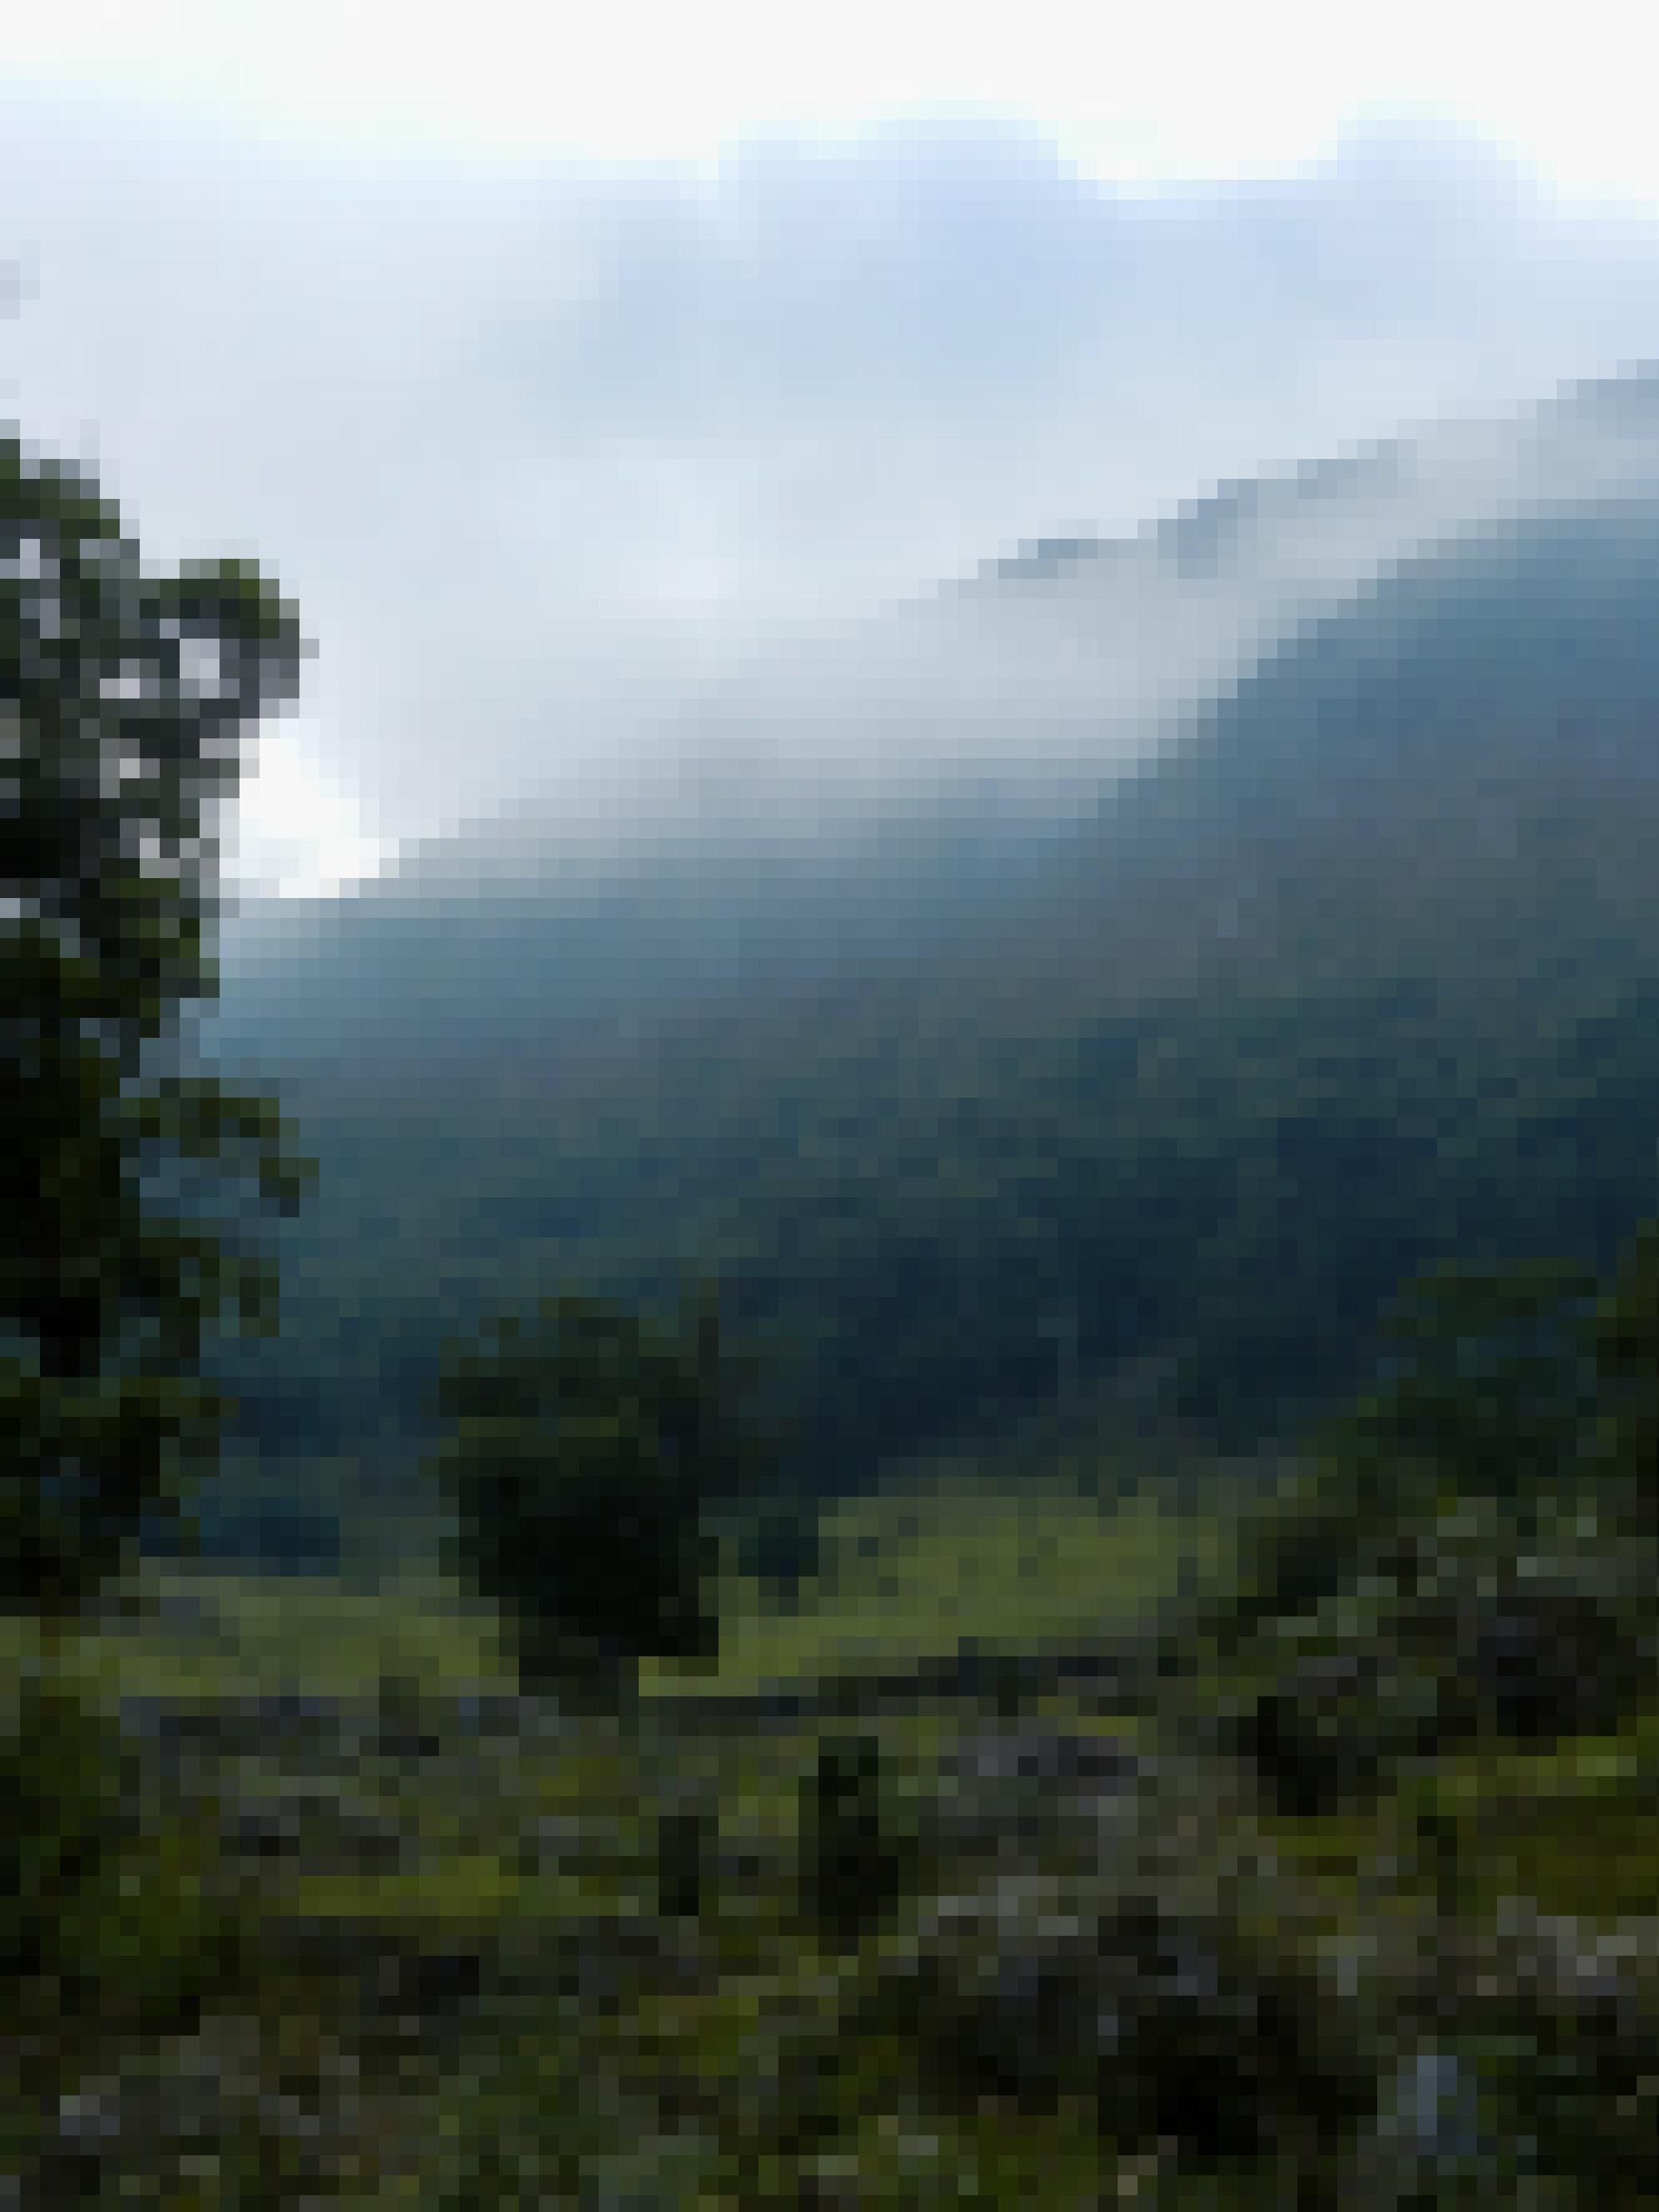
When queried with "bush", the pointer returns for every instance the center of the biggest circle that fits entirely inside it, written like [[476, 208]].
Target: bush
[[1160, 2014], [857, 1852], [1453, 1627], [117, 1920]]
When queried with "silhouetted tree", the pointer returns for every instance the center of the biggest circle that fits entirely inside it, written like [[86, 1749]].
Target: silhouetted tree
[[1626, 1336], [585, 1458], [121, 699]]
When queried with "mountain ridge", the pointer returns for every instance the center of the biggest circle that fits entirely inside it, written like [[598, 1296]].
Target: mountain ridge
[[1359, 970]]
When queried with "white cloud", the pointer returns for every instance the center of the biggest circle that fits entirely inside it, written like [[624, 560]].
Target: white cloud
[[1193, 89], [537, 446]]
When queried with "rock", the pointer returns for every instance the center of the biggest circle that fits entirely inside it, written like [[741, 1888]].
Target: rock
[[1029, 1990], [1554, 2073], [395, 1986], [1027, 1788], [326, 1826], [500, 1715], [1007, 1789], [557, 1843], [1033, 1753], [290, 1720], [1085, 1938], [1429, 2139], [261, 1829], [1450, 1631], [145, 2131], [175, 1730], [436, 1985]]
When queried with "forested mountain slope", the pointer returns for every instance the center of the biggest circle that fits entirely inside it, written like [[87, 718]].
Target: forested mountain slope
[[1359, 969]]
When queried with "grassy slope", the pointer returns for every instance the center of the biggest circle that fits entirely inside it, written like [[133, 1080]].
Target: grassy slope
[[905, 1576]]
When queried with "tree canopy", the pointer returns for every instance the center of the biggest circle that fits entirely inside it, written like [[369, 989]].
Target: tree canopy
[[584, 1457], [122, 699]]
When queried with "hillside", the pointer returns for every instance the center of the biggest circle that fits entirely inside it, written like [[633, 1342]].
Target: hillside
[[1165, 1090]]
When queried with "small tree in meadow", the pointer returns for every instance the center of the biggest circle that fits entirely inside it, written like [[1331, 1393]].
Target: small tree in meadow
[[585, 1455]]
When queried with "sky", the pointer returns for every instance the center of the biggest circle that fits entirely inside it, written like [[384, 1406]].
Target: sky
[[557, 370]]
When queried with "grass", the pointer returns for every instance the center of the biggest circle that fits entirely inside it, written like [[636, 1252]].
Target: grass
[[272, 1632], [919, 1574], [907, 1576], [904, 1577]]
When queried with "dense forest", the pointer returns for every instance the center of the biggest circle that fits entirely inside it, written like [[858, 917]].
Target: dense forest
[[1157, 1102]]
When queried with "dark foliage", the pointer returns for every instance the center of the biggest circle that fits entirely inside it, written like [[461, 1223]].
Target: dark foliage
[[585, 1458], [113, 741], [1466, 1556], [1357, 978], [856, 1859]]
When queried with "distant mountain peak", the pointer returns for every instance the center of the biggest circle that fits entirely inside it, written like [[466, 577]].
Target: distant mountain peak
[[1206, 530], [1040, 559], [1628, 400]]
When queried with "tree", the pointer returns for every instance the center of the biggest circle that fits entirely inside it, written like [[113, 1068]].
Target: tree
[[585, 1458], [855, 1857], [1627, 1328], [1486, 1390], [1492, 1380], [121, 699], [121, 696]]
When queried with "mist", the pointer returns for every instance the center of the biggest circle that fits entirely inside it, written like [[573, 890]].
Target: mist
[[619, 497]]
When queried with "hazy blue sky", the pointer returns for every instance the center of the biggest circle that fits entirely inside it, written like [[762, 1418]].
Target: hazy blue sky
[[553, 365]]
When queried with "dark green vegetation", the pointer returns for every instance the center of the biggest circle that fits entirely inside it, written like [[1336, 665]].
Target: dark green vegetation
[[1358, 976], [111, 739], [584, 1465], [121, 700], [1342, 1892], [1318, 1870]]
